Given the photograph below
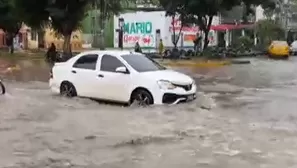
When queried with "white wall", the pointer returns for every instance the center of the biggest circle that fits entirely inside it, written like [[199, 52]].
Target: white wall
[[158, 21]]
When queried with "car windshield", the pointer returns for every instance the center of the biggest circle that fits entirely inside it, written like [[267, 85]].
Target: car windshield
[[280, 43], [142, 63]]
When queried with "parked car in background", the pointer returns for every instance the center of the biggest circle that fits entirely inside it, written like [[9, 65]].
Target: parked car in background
[[279, 49], [121, 76], [293, 48]]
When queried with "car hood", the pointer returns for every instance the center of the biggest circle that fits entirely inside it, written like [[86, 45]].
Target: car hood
[[170, 75]]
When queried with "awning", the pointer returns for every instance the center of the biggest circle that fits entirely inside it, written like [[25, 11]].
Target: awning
[[224, 27]]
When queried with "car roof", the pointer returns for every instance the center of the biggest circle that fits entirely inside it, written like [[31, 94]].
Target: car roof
[[278, 41], [116, 53]]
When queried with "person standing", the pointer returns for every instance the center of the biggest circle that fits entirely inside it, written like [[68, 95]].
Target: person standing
[[137, 48], [161, 48], [51, 53]]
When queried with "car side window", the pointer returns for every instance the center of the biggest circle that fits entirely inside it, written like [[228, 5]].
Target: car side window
[[110, 63], [87, 62]]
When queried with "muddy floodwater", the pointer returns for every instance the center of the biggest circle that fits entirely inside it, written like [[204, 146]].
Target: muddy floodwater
[[244, 117]]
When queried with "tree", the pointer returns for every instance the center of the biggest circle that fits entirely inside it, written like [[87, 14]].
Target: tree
[[10, 21], [250, 4], [267, 30], [34, 14], [201, 12], [64, 16], [176, 10]]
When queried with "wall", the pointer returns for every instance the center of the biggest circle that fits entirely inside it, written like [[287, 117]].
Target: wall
[[90, 26], [32, 39], [142, 26], [51, 37], [20, 40]]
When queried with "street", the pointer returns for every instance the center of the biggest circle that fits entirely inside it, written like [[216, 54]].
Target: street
[[245, 117]]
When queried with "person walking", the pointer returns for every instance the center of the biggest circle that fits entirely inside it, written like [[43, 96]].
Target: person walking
[[51, 54]]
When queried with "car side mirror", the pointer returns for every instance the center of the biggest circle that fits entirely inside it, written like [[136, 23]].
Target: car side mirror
[[121, 69]]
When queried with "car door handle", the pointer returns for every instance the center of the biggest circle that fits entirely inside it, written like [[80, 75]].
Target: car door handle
[[73, 71], [101, 76]]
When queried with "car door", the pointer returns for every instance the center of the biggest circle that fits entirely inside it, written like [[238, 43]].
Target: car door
[[115, 86], [84, 74]]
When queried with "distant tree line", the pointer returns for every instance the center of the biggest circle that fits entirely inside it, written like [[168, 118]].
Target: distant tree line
[[201, 12], [65, 16]]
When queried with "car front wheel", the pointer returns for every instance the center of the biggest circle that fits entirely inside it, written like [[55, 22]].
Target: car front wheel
[[141, 97], [67, 89]]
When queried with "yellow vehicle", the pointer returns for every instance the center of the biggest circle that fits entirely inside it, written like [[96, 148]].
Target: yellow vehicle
[[279, 49]]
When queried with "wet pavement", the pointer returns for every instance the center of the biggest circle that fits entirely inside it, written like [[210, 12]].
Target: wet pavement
[[251, 123]]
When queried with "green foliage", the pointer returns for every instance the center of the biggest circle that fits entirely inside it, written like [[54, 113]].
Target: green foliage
[[66, 15], [10, 20], [198, 12], [267, 5], [201, 12], [267, 31], [33, 12], [176, 9], [242, 43], [107, 8]]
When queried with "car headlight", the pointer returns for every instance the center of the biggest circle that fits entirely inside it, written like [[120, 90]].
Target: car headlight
[[166, 85]]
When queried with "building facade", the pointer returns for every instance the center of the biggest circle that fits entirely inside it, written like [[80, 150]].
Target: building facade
[[90, 27]]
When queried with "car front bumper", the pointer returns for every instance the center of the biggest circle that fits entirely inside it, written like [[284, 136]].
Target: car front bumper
[[175, 96], [171, 98]]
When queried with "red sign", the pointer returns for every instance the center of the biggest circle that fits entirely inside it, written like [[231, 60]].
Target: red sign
[[146, 40], [131, 38], [176, 25], [141, 38]]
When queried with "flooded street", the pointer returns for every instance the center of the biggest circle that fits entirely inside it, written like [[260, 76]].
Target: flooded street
[[245, 117]]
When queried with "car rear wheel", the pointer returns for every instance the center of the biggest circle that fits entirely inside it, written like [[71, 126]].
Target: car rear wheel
[[141, 97], [67, 89]]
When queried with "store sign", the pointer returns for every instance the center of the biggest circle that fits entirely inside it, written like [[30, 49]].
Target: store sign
[[138, 28]]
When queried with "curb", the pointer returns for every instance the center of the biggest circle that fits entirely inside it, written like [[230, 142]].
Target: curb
[[196, 63]]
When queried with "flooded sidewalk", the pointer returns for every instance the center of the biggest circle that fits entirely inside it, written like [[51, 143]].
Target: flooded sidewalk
[[238, 120]]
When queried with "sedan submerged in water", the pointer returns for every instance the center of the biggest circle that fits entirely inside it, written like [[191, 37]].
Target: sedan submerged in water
[[121, 76]]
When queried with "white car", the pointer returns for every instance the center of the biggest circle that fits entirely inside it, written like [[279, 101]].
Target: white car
[[293, 48], [121, 76]]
